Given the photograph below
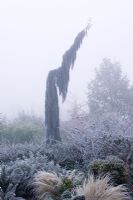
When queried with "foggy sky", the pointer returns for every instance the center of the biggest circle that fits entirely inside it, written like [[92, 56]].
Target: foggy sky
[[34, 34]]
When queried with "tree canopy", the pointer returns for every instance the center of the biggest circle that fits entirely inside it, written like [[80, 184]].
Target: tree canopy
[[110, 91]]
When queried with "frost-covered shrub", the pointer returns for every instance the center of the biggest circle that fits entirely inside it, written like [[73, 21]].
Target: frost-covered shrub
[[10, 152], [108, 145], [27, 159], [111, 166], [18, 175], [75, 155], [68, 156], [17, 178]]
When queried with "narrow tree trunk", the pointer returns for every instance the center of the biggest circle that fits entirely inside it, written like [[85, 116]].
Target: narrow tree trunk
[[52, 110]]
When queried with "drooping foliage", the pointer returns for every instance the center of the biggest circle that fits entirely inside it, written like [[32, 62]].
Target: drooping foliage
[[59, 79]]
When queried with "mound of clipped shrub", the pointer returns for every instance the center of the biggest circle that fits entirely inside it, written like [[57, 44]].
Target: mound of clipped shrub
[[112, 166]]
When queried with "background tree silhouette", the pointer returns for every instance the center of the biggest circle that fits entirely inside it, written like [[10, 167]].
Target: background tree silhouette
[[110, 91]]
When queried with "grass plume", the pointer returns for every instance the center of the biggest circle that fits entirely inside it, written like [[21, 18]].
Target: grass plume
[[102, 189], [46, 184]]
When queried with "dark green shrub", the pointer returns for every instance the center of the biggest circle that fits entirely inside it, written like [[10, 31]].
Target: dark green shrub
[[112, 166], [68, 156], [66, 185]]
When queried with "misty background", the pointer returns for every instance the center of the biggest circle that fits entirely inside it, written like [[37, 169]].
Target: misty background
[[35, 34]]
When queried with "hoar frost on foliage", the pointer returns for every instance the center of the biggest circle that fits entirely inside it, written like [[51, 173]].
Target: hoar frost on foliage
[[21, 162]]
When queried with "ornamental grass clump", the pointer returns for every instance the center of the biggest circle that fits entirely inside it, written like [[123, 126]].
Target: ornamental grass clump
[[46, 185], [101, 189]]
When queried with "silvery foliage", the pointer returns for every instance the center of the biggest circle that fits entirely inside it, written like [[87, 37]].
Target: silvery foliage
[[19, 163]]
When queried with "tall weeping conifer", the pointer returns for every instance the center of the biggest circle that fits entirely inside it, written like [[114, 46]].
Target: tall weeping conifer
[[59, 79]]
